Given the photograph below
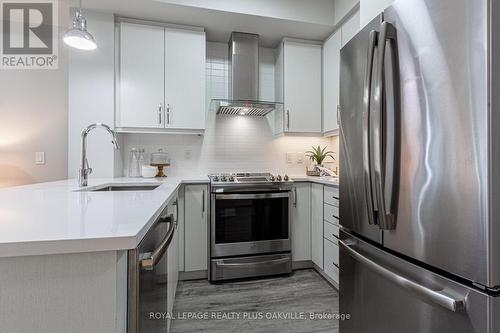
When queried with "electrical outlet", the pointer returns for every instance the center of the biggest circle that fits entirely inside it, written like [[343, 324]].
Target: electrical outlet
[[187, 154], [289, 158], [40, 158], [300, 158]]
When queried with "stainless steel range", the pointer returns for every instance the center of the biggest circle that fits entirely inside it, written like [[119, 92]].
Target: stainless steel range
[[249, 225]]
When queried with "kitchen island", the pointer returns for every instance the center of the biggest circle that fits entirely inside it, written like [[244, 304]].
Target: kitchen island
[[63, 252]]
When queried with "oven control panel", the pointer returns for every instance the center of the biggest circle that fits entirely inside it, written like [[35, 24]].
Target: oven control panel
[[247, 178]]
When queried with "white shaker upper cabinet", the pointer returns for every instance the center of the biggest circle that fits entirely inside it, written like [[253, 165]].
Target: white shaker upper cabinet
[[300, 67], [161, 81], [185, 79], [140, 84], [331, 83]]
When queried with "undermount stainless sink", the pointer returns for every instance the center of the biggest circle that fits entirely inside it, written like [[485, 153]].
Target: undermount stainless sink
[[120, 187]]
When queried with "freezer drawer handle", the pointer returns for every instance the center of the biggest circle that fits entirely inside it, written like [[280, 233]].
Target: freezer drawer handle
[[442, 299], [253, 264], [150, 259]]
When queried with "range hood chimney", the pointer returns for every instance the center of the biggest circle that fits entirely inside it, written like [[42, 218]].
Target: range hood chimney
[[244, 79]]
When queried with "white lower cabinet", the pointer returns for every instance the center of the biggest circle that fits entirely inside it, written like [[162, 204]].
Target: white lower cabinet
[[317, 224], [301, 222], [325, 230], [331, 196], [331, 260], [331, 232], [195, 227], [331, 213]]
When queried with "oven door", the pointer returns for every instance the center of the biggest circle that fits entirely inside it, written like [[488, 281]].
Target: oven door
[[250, 223]]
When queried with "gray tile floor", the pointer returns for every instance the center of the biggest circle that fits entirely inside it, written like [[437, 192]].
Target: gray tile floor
[[303, 291]]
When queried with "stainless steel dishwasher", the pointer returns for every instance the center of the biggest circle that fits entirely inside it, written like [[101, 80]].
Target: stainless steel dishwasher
[[148, 278]]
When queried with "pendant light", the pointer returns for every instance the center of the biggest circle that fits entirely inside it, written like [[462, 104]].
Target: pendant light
[[78, 36]]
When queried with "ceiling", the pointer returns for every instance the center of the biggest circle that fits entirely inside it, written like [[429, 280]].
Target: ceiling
[[220, 23]]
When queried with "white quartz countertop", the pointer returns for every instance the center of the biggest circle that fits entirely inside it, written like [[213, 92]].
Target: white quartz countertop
[[57, 217], [329, 181]]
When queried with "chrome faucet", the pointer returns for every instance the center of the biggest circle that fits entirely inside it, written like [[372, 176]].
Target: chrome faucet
[[85, 170]]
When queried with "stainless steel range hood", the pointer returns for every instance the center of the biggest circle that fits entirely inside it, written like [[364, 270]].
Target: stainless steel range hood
[[244, 79]]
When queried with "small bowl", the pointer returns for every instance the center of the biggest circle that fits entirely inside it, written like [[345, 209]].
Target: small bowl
[[148, 171]]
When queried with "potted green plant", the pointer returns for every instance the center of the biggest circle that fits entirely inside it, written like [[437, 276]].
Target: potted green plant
[[319, 154]]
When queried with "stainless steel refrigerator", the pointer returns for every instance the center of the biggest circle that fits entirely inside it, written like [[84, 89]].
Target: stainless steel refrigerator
[[420, 170]]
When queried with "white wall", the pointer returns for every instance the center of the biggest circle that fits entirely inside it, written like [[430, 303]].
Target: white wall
[[230, 143], [342, 8], [33, 117], [91, 97], [371, 8], [312, 11]]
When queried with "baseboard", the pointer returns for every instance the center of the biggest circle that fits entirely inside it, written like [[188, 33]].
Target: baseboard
[[326, 277], [302, 264], [193, 275]]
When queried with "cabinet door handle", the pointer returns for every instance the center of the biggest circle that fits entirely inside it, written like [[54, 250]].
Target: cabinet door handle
[[176, 204], [168, 114], [338, 114], [159, 113], [203, 203], [287, 120], [294, 197]]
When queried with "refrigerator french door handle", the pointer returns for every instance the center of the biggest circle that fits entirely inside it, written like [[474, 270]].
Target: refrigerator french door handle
[[383, 164], [370, 199], [437, 297]]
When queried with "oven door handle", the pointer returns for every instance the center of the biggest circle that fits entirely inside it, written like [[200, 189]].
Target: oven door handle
[[149, 260], [251, 196], [253, 264]]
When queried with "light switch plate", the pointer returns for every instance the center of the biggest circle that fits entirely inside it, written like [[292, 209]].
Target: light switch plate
[[187, 154], [289, 158], [40, 158]]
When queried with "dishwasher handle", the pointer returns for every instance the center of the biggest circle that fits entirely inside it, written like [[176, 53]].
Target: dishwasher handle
[[149, 260], [437, 297]]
